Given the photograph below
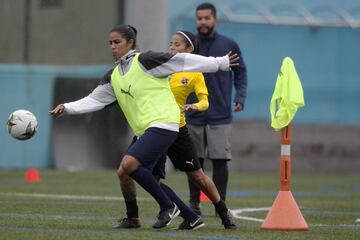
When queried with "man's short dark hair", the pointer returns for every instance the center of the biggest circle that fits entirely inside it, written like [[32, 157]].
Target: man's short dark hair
[[205, 6]]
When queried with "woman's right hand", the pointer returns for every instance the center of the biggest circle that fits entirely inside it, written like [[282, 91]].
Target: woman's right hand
[[58, 110]]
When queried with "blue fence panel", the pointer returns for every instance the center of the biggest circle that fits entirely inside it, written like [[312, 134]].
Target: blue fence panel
[[31, 87], [326, 60]]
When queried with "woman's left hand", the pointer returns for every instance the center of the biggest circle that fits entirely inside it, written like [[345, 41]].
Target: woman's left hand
[[233, 59], [188, 107]]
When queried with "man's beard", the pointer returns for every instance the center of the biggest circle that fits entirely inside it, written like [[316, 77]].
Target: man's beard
[[208, 33]]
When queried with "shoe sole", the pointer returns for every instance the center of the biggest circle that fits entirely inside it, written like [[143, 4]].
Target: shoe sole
[[195, 228], [120, 227], [198, 227], [231, 228]]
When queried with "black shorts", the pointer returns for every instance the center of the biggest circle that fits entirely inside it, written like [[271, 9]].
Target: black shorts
[[151, 148], [159, 168], [182, 152]]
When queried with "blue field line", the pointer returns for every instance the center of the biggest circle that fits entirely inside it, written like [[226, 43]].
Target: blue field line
[[24, 229], [251, 193], [307, 212], [55, 231], [45, 216], [54, 202], [102, 231], [355, 188], [331, 187], [166, 234]]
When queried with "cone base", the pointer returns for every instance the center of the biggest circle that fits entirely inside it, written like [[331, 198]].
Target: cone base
[[285, 215], [284, 229]]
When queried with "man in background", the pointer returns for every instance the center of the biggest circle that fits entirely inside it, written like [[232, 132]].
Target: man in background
[[211, 130]]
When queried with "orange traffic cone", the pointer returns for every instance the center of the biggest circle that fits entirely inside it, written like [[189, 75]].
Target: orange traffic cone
[[285, 213], [32, 175], [203, 197]]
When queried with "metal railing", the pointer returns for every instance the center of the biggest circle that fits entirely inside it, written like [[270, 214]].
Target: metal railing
[[285, 14]]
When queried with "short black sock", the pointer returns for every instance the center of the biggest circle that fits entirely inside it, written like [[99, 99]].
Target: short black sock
[[220, 206], [132, 209]]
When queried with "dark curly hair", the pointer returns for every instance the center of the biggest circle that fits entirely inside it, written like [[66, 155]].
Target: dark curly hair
[[127, 31]]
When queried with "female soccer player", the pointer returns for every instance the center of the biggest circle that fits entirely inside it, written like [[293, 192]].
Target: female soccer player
[[181, 152], [139, 85]]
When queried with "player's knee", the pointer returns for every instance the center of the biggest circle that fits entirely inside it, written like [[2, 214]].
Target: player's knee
[[120, 172], [124, 178], [128, 164], [198, 178]]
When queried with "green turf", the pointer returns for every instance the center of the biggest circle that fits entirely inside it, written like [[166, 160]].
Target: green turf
[[329, 203]]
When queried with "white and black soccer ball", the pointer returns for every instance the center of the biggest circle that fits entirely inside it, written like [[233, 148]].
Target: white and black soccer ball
[[22, 124]]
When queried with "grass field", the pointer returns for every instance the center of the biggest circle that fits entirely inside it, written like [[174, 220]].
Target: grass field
[[84, 205]]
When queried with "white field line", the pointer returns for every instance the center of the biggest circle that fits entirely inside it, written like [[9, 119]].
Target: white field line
[[71, 197], [336, 225], [236, 213], [250, 219]]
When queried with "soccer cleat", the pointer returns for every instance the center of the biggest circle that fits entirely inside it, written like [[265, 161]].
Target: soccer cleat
[[196, 207], [127, 223], [166, 216], [227, 220], [196, 224]]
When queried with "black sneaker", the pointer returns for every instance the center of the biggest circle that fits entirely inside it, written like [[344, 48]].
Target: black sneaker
[[166, 216], [196, 207], [227, 220], [196, 224], [127, 223]]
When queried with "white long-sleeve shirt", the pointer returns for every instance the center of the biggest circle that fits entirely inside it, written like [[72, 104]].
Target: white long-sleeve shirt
[[154, 63]]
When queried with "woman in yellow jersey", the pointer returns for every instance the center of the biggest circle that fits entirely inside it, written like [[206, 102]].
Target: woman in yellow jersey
[[182, 152]]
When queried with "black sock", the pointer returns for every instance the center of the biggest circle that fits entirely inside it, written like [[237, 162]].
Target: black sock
[[194, 190], [132, 210], [185, 212], [147, 181], [220, 206], [220, 176]]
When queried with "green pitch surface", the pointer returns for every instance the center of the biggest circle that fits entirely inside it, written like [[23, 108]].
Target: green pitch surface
[[84, 205]]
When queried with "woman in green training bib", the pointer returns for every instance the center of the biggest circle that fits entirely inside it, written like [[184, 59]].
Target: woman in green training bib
[[140, 86]]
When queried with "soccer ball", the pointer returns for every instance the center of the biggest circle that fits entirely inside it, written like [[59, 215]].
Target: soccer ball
[[22, 124]]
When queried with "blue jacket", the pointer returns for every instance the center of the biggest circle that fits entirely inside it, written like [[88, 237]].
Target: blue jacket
[[220, 84]]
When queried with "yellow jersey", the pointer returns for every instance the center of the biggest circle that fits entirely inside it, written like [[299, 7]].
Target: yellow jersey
[[184, 83]]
